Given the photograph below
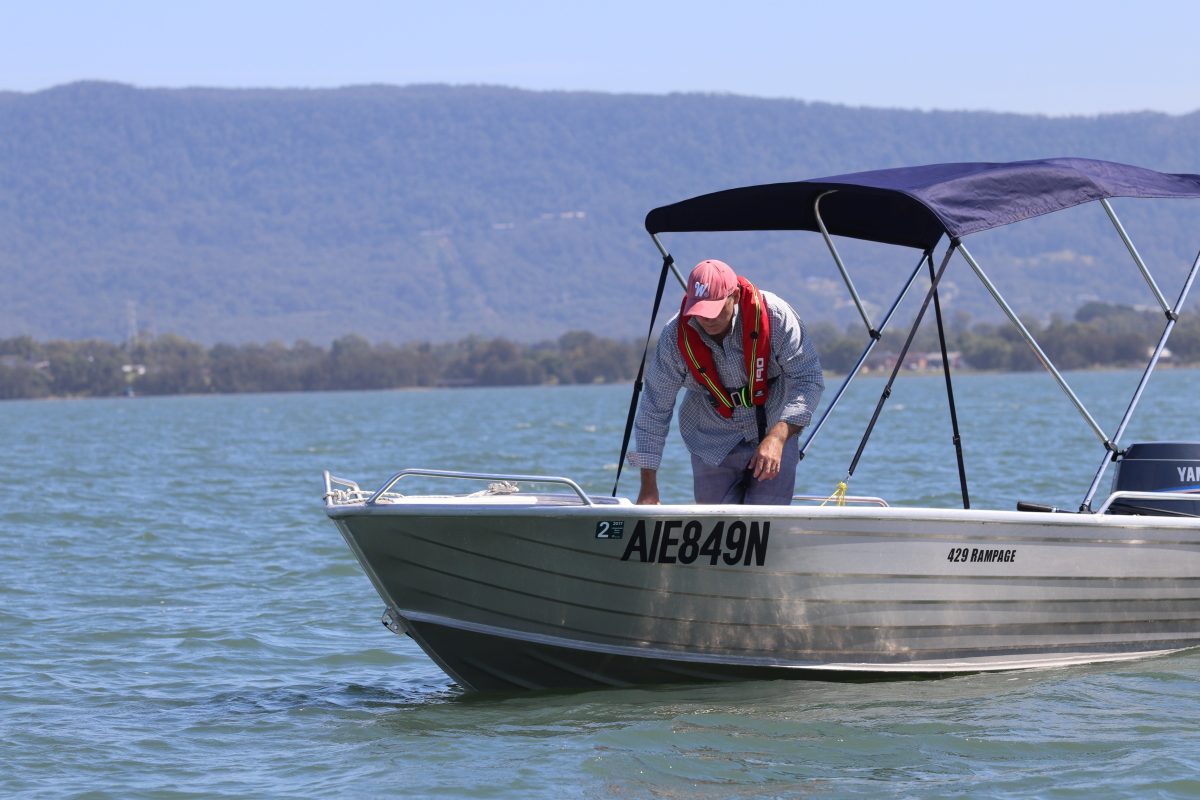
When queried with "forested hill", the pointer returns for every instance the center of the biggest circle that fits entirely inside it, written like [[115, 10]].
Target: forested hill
[[432, 212]]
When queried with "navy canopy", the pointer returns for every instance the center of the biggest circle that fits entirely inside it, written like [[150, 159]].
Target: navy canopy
[[914, 206]]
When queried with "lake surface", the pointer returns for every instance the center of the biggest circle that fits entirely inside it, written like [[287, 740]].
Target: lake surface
[[179, 618]]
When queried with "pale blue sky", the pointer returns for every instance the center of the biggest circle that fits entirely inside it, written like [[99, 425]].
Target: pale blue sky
[[1043, 57]]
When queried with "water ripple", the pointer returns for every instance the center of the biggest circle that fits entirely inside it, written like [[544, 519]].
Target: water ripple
[[180, 620]]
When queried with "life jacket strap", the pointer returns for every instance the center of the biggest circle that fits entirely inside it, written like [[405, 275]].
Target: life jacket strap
[[741, 399]]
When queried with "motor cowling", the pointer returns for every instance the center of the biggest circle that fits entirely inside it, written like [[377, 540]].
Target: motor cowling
[[1158, 467]]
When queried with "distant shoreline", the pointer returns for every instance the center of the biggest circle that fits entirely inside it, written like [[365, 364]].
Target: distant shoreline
[[829, 375], [1102, 337]]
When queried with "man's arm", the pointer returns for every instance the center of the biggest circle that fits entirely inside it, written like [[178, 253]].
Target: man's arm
[[768, 457], [801, 384], [648, 493], [801, 381], [664, 378]]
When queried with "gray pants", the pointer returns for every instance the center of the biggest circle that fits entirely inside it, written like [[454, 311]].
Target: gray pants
[[732, 484]]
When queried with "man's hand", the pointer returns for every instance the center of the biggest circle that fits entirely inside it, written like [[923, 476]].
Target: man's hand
[[648, 494], [766, 460]]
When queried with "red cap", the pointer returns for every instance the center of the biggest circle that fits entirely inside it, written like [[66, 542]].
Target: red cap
[[709, 284]]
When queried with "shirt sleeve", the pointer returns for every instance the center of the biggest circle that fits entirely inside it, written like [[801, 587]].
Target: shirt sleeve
[[801, 380], [664, 378]]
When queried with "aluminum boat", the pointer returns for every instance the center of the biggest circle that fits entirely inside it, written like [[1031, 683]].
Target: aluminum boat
[[532, 582]]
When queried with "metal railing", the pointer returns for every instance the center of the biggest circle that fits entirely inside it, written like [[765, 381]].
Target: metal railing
[[1117, 497], [850, 499], [478, 476], [342, 491]]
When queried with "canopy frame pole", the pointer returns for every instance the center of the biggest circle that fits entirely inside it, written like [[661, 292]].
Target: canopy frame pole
[[926, 256], [668, 265], [912, 333], [1172, 318], [667, 258], [956, 437], [1037, 350], [1162, 301], [837, 259]]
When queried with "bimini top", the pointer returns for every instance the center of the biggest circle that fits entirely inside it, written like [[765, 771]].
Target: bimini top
[[914, 206]]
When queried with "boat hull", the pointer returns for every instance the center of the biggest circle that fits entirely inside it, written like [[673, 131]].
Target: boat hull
[[540, 596]]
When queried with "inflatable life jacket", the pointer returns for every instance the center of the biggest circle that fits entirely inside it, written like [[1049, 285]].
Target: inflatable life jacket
[[756, 344]]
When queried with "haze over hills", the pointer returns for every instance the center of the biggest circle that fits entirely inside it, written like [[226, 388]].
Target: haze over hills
[[432, 212]]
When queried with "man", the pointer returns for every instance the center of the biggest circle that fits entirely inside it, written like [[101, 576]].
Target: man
[[752, 378]]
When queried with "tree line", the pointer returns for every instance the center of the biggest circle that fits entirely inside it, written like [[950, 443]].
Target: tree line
[[171, 364], [1100, 335]]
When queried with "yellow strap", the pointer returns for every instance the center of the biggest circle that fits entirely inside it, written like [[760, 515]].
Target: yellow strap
[[754, 344], [717, 392], [839, 495]]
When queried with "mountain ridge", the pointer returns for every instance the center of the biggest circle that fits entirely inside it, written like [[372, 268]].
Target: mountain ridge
[[430, 212]]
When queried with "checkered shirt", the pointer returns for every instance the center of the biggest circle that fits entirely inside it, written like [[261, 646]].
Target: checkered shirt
[[794, 384]]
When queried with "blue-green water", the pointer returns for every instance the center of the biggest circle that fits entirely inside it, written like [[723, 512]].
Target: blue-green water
[[179, 618]]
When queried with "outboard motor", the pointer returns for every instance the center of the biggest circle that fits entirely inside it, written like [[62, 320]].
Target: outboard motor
[[1158, 467]]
